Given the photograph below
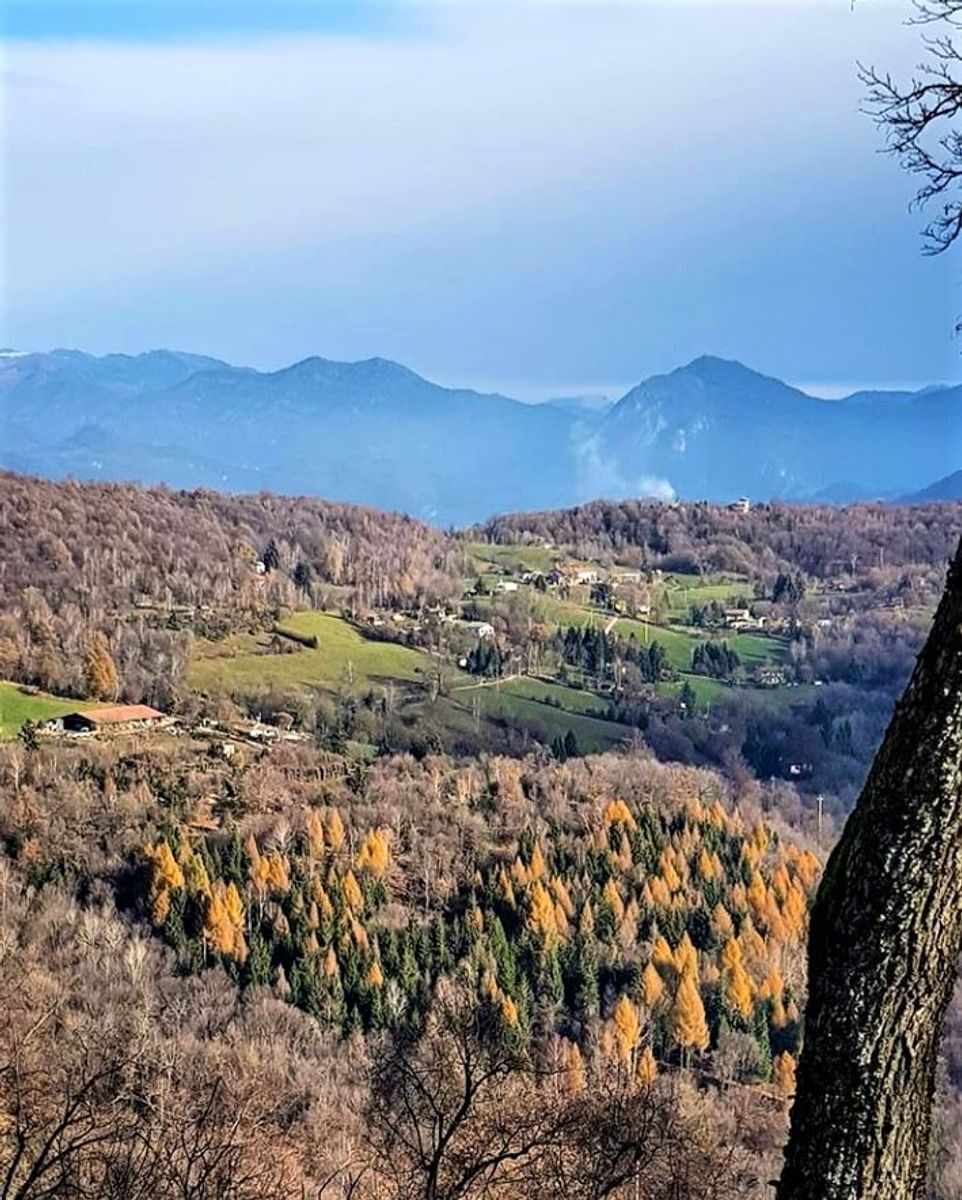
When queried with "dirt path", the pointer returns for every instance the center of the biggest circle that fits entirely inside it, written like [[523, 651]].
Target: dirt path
[[468, 687]]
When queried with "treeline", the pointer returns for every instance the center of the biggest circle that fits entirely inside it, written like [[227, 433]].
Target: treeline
[[821, 541], [601, 655]]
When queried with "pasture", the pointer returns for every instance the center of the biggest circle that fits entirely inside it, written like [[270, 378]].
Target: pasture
[[343, 657], [18, 705]]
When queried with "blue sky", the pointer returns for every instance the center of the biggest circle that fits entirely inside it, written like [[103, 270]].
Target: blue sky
[[539, 197]]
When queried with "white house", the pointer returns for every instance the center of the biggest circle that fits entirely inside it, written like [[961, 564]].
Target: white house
[[483, 629]]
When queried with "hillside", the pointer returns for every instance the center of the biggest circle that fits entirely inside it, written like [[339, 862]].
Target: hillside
[[776, 638], [943, 491], [273, 951], [423, 801], [376, 433]]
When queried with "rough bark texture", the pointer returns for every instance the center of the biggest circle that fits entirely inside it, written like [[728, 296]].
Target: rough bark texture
[[884, 946]]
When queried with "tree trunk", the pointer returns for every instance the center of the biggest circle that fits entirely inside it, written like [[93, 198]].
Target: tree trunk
[[884, 945]]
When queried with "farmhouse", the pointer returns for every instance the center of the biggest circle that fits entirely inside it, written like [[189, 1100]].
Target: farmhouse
[[576, 574], [115, 718], [741, 618], [770, 675], [482, 629]]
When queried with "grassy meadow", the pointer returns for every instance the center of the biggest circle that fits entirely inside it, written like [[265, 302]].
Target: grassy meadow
[[343, 655], [18, 705]]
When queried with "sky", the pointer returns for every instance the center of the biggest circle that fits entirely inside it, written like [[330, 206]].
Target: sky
[[536, 197]]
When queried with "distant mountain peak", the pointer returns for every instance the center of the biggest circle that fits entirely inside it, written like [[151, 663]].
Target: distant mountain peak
[[709, 363], [712, 369], [371, 368], [943, 491]]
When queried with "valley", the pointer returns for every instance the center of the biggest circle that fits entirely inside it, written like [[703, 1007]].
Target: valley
[[550, 793], [773, 637]]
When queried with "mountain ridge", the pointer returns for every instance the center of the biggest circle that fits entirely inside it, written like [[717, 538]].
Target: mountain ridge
[[376, 432]]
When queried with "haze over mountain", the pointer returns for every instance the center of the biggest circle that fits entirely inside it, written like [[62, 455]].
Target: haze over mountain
[[376, 433]]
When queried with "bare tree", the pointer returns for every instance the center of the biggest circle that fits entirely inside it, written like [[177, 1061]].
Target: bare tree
[[453, 1111], [918, 120]]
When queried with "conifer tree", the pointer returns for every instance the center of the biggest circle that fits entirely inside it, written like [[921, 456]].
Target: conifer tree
[[374, 855], [351, 892], [737, 988], [334, 830], [646, 1068], [575, 1071], [652, 986], [689, 1029], [783, 1074], [166, 875], [626, 1029]]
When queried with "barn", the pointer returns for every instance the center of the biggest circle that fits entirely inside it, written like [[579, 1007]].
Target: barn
[[112, 718]]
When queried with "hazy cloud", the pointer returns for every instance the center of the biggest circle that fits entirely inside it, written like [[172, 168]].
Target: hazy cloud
[[512, 192]]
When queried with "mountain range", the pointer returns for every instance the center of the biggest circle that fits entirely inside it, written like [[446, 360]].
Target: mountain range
[[376, 433]]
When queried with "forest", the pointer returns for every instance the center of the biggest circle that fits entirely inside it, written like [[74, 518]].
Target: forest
[[249, 998], [456, 978]]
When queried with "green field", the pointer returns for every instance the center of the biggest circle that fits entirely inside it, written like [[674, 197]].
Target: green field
[[683, 592], [343, 656], [18, 706], [522, 702], [514, 559], [546, 710], [678, 641]]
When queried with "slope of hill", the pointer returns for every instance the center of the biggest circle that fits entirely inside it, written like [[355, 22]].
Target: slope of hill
[[561, 948], [942, 491], [376, 433]]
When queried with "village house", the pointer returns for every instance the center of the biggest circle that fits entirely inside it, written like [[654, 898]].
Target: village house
[[741, 505], [580, 575], [481, 629], [741, 618], [770, 675]]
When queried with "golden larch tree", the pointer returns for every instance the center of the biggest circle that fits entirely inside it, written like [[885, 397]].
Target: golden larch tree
[[100, 669], [689, 1029], [626, 1027]]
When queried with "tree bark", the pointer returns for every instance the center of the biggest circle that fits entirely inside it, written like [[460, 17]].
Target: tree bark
[[884, 945]]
